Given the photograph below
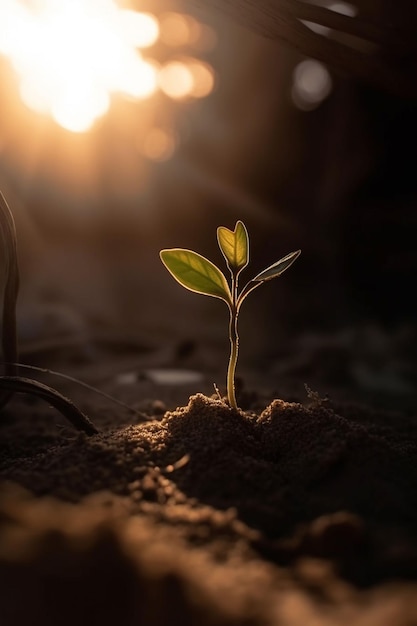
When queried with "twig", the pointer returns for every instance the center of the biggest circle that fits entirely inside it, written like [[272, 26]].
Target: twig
[[351, 25], [11, 383], [280, 19], [18, 384], [72, 379], [11, 290]]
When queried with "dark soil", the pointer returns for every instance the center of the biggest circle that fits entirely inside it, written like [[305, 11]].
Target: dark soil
[[295, 515]]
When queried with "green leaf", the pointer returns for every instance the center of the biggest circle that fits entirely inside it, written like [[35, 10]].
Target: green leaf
[[276, 269], [234, 245], [196, 273]]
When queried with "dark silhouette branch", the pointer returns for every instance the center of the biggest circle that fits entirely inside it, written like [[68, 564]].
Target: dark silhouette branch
[[281, 19]]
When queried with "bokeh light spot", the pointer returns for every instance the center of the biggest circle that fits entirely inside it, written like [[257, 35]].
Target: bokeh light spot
[[141, 29], [176, 80], [312, 84], [175, 29], [203, 79], [159, 144]]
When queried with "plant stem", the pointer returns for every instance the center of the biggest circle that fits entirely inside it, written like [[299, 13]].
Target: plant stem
[[234, 346]]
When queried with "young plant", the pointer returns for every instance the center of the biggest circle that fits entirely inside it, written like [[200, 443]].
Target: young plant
[[198, 274]]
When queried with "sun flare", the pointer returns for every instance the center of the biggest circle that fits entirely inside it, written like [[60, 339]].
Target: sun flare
[[72, 55]]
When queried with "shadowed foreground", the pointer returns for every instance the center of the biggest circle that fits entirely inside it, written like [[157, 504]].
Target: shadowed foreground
[[204, 515]]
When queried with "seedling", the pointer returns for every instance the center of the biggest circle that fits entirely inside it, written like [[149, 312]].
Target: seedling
[[198, 274]]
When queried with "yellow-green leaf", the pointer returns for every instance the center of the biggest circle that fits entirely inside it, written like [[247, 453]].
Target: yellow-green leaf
[[196, 273], [234, 245]]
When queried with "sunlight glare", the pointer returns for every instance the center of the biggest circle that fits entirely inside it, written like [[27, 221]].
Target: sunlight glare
[[71, 55]]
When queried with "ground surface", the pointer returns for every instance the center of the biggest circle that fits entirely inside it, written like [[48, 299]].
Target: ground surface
[[290, 513]]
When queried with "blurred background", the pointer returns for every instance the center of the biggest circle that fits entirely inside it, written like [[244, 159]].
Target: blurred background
[[127, 127]]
